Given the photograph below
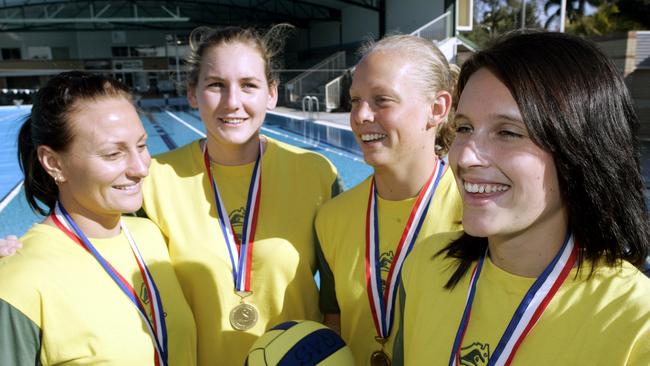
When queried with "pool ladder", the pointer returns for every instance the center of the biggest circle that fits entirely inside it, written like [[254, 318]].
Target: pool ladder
[[310, 132]]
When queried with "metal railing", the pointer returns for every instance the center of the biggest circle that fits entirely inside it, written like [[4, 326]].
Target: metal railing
[[308, 104], [333, 93], [642, 52], [439, 30], [436, 30], [315, 77]]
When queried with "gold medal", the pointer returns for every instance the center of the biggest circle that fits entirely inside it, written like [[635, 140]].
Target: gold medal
[[243, 316], [379, 358]]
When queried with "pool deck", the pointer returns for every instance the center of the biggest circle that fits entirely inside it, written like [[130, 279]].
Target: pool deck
[[168, 128], [339, 119]]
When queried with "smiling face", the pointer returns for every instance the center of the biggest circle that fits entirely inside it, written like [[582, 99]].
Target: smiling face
[[508, 184], [103, 167], [390, 117], [232, 93]]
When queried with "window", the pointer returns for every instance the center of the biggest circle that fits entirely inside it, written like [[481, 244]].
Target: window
[[11, 53], [121, 51]]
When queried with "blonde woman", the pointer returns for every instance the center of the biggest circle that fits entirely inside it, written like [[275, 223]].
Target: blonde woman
[[401, 97], [238, 207]]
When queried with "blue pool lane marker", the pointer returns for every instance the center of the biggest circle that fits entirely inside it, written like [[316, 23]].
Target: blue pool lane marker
[[171, 145]]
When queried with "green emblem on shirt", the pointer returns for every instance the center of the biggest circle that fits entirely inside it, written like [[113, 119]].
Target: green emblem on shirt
[[385, 261], [144, 296], [237, 220], [476, 354]]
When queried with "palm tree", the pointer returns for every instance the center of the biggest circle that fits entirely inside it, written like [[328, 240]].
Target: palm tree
[[575, 9]]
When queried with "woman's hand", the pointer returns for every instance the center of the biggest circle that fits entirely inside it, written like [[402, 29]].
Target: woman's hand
[[9, 245]]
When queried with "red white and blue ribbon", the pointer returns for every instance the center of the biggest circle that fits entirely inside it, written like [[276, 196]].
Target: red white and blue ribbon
[[529, 310], [382, 306], [241, 255], [156, 326]]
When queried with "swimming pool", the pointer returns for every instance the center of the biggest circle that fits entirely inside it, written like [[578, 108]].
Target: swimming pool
[[168, 129]]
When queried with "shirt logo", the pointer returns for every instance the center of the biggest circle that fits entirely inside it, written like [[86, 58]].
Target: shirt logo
[[237, 220], [476, 354], [385, 260]]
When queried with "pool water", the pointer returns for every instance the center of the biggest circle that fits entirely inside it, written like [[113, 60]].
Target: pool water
[[168, 129]]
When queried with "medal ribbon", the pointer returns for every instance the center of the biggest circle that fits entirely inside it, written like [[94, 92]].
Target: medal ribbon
[[529, 310], [382, 306], [241, 255], [157, 327]]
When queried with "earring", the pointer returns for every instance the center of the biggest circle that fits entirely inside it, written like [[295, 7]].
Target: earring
[[58, 180]]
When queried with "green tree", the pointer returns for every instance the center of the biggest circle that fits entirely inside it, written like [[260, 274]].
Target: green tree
[[610, 18], [637, 11], [495, 17]]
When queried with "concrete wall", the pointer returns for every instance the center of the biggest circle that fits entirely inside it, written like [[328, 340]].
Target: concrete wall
[[621, 49], [81, 44], [624, 51], [406, 16], [23, 40], [323, 34], [359, 23]]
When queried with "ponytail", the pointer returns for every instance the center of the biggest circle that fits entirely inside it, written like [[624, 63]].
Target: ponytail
[[38, 184], [447, 130], [48, 125]]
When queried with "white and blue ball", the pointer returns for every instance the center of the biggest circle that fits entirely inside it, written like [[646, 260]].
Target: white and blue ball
[[300, 343]]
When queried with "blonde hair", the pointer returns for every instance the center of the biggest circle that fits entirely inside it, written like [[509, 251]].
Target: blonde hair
[[268, 44], [432, 73]]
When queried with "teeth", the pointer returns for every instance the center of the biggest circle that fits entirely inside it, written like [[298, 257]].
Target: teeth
[[484, 188], [129, 187], [372, 136], [233, 121]]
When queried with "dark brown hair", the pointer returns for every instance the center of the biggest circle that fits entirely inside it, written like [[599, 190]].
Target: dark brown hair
[[576, 107], [48, 125]]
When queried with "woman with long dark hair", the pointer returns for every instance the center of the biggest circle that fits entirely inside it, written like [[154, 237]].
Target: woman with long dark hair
[[554, 215]]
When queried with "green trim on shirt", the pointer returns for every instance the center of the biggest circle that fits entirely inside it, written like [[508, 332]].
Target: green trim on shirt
[[398, 346], [337, 186], [20, 338], [327, 301]]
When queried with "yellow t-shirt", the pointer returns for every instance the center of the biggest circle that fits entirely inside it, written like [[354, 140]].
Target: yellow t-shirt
[[178, 197], [59, 306], [603, 320], [341, 225]]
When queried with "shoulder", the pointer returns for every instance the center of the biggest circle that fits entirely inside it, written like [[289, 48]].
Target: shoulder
[[301, 158], [350, 202], [614, 300], [178, 153], [43, 242], [177, 161], [447, 191], [428, 255], [148, 237], [36, 265], [171, 172], [142, 226], [626, 283]]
